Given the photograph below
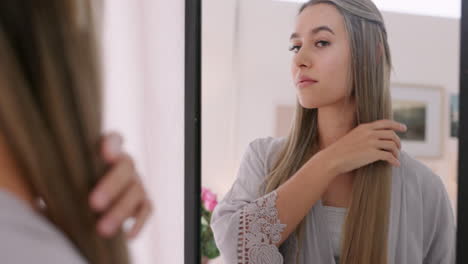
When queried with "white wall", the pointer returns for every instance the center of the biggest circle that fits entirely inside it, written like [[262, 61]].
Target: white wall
[[143, 50], [219, 91], [425, 51]]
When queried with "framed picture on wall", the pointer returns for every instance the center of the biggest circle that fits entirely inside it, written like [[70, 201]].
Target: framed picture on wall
[[420, 108]]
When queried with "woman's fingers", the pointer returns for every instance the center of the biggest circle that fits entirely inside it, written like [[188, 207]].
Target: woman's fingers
[[389, 157], [120, 211], [141, 216], [120, 194], [113, 183], [388, 150], [389, 135], [388, 124], [111, 147], [390, 146]]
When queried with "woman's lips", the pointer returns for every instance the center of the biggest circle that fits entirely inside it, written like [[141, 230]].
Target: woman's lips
[[306, 83]]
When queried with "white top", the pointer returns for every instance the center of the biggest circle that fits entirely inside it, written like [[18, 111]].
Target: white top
[[335, 218], [27, 237]]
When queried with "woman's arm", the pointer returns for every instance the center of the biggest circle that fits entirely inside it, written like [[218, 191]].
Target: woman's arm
[[247, 226], [297, 195]]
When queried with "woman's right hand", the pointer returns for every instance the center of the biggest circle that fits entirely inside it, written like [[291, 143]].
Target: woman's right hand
[[365, 144]]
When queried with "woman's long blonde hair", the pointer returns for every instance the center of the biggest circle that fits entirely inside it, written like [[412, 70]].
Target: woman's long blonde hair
[[366, 227], [50, 113]]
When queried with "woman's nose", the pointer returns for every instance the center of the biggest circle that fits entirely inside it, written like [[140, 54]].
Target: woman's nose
[[301, 60]]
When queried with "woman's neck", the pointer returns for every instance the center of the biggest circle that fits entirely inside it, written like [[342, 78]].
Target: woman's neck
[[10, 176], [334, 122], [16, 188]]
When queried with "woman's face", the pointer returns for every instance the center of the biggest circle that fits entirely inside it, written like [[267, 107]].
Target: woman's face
[[320, 65]]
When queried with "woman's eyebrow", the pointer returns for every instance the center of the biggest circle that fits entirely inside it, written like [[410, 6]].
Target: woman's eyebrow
[[313, 31]]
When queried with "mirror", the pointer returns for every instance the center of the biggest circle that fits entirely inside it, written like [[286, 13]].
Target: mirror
[[249, 99]]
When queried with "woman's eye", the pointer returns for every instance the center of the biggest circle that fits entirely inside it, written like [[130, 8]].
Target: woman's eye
[[322, 43], [294, 48]]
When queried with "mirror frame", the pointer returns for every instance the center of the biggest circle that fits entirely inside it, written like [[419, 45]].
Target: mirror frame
[[193, 16], [462, 207], [192, 160]]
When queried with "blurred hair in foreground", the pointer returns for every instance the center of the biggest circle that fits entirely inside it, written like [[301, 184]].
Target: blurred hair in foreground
[[50, 113]]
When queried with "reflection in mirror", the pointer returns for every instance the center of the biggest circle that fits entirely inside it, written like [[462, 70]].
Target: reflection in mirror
[[303, 156]]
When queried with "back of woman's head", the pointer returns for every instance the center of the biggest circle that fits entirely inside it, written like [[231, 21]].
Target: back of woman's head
[[50, 113]]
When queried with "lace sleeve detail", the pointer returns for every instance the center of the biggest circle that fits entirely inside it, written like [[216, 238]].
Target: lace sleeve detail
[[259, 230]]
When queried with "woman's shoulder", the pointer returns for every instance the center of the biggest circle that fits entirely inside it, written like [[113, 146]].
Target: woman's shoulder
[[267, 144], [417, 176], [26, 237], [427, 208], [267, 148]]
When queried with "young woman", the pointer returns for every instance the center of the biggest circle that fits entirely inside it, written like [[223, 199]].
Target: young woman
[[52, 192], [337, 189]]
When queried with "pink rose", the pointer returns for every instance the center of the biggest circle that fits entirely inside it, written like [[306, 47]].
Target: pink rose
[[209, 199], [203, 193], [210, 205]]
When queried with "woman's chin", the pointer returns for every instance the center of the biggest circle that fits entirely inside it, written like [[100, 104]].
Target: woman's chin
[[308, 105]]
